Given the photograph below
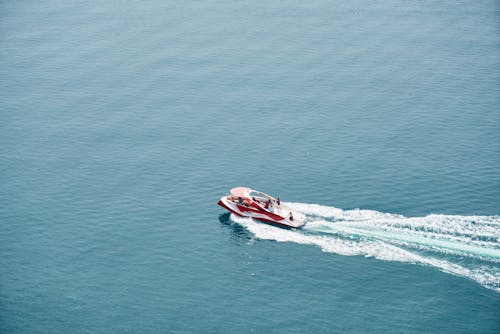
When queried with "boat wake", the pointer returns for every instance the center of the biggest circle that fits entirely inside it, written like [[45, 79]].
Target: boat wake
[[467, 246]]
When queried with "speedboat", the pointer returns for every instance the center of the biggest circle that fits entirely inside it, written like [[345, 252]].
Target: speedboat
[[246, 202]]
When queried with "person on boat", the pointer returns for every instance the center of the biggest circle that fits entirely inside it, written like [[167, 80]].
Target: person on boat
[[291, 217], [267, 204], [240, 201], [278, 201]]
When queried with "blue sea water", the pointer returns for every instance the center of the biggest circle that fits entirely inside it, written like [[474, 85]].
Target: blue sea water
[[123, 122]]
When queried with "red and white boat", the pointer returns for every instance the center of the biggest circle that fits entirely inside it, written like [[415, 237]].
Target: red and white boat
[[247, 202]]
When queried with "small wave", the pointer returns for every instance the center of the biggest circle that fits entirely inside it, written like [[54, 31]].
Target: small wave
[[466, 246]]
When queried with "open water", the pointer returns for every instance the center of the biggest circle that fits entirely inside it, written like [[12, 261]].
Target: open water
[[123, 122]]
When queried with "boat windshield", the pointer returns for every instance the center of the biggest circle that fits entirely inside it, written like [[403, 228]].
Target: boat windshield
[[260, 196]]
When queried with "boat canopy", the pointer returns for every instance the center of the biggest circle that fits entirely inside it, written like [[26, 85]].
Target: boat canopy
[[240, 191]]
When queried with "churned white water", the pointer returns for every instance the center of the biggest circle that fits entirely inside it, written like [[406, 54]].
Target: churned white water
[[466, 246]]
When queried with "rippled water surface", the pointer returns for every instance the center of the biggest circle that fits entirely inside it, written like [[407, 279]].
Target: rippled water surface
[[123, 122]]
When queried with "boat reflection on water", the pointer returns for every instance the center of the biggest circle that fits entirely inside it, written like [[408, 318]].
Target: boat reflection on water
[[238, 233]]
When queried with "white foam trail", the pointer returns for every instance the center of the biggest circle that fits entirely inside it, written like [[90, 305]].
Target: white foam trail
[[456, 245], [441, 241], [332, 212], [467, 235], [328, 244]]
